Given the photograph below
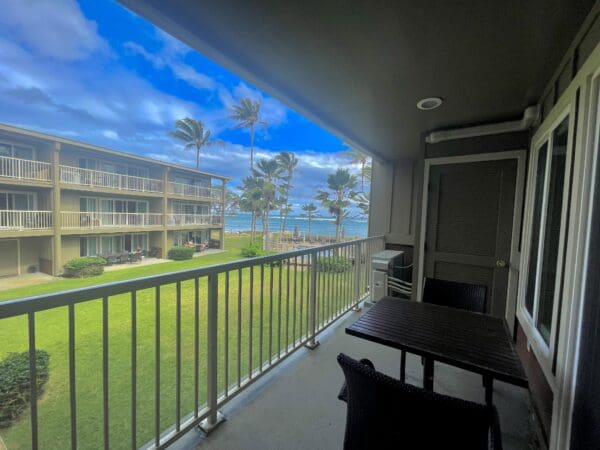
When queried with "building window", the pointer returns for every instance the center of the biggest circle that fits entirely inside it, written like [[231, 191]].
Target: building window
[[88, 246], [547, 213], [18, 201], [17, 151], [185, 237]]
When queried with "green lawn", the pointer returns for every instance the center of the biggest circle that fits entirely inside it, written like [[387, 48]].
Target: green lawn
[[282, 316]]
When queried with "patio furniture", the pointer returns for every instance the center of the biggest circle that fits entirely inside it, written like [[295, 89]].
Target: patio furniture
[[385, 413], [476, 342], [470, 297], [135, 257]]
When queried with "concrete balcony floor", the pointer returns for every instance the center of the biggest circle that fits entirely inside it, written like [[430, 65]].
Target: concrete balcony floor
[[296, 407]]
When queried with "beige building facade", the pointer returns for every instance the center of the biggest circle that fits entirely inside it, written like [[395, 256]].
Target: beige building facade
[[61, 199]]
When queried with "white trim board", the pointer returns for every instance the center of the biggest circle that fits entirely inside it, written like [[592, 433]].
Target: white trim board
[[515, 256]]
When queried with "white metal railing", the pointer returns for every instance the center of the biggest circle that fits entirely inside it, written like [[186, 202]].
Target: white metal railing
[[188, 190], [91, 220], [96, 178], [193, 219], [25, 169], [197, 337], [25, 220]]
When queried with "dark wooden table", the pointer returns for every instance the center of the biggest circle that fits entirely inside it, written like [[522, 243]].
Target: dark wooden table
[[476, 342]]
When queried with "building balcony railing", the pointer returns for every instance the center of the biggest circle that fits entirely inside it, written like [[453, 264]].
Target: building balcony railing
[[193, 219], [93, 220], [109, 180], [25, 169], [188, 190], [188, 341], [25, 220]]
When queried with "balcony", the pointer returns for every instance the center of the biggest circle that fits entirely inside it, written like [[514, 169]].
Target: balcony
[[75, 220], [24, 169], [14, 220], [109, 180], [198, 192], [192, 219], [146, 360]]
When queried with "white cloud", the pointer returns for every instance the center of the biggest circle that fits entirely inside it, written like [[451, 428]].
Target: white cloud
[[110, 134], [53, 28], [172, 56]]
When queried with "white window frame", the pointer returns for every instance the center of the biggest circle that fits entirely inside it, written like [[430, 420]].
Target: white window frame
[[545, 352]]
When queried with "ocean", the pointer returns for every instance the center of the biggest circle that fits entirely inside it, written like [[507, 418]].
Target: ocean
[[320, 225]]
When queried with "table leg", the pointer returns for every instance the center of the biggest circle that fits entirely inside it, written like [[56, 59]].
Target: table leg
[[428, 374], [488, 383], [402, 366]]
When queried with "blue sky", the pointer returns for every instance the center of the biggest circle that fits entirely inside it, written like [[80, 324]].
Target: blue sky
[[93, 71]]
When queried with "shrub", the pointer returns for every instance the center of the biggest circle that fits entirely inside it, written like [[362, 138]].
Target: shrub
[[251, 250], [15, 384], [336, 264], [87, 266], [181, 253]]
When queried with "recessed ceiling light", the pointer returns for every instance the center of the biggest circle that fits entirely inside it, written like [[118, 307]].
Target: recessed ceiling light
[[427, 104]]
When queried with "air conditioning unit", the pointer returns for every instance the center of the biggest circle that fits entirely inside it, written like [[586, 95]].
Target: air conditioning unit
[[382, 264]]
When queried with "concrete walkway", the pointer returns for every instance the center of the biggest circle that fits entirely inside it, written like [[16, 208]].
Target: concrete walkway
[[29, 279], [296, 406]]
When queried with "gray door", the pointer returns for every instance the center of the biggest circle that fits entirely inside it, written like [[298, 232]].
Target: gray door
[[469, 225]]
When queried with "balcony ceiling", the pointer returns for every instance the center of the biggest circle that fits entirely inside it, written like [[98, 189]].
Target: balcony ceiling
[[358, 68]]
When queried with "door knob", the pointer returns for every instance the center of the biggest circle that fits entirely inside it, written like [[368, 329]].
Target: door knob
[[501, 263]]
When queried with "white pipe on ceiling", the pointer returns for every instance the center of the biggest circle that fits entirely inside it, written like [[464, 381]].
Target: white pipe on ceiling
[[530, 116]]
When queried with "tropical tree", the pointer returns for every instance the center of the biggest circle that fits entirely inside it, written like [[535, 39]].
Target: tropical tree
[[268, 172], [309, 211], [358, 157], [232, 202], [337, 199], [247, 115], [250, 200], [288, 163], [193, 134], [362, 202]]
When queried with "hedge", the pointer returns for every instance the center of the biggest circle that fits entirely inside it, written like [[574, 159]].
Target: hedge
[[15, 384], [251, 250], [336, 264], [181, 253], [86, 266]]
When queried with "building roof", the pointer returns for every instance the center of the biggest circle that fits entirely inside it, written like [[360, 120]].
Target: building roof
[[108, 151]]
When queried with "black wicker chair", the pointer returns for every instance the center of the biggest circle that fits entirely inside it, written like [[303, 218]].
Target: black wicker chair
[[385, 413], [450, 293], [457, 295]]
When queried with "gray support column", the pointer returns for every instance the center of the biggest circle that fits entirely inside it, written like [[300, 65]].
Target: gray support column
[[223, 202], [56, 218]]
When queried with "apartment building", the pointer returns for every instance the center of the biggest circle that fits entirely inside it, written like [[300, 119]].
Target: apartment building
[[60, 199]]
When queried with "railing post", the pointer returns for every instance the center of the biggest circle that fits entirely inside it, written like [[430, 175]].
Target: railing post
[[312, 303], [214, 416], [357, 260]]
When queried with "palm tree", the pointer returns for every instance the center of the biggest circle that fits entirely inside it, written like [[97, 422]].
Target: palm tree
[[358, 157], [194, 135], [251, 200], [232, 201], [309, 211], [288, 163], [363, 202], [247, 115], [268, 171], [341, 186]]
